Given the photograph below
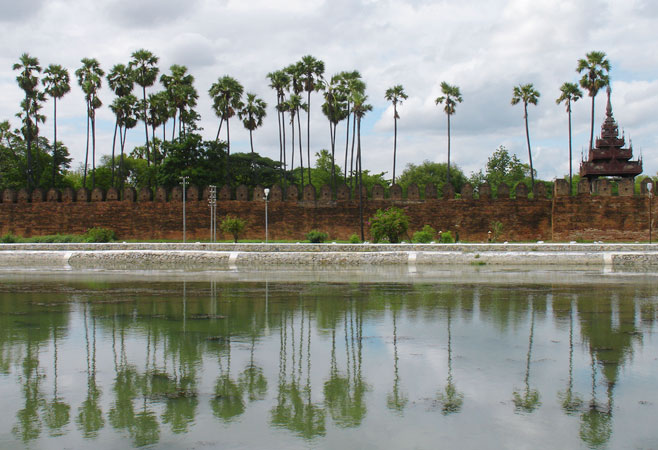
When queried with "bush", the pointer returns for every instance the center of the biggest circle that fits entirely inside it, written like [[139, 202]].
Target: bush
[[355, 239], [98, 234], [424, 236], [316, 236], [391, 224], [9, 239], [446, 238], [497, 228], [233, 226]]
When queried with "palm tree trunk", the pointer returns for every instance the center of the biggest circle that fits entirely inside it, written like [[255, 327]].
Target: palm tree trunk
[[278, 118], [301, 154], [146, 129], [173, 129], [84, 177], [395, 137], [93, 149], [448, 174], [527, 136], [28, 138], [332, 138], [352, 151], [347, 141], [122, 141], [292, 159], [114, 141], [251, 141], [360, 181], [54, 140], [221, 121], [283, 129], [591, 130], [308, 137], [570, 158]]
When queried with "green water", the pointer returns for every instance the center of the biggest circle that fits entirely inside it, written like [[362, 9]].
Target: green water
[[202, 361]]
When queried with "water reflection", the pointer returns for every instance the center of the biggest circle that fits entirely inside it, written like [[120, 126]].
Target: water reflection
[[154, 361]]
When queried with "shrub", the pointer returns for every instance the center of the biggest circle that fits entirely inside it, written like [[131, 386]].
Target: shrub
[[9, 239], [233, 226], [424, 236], [446, 238], [316, 236], [355, 239], [497, 228], [390, 224], [98, 234]]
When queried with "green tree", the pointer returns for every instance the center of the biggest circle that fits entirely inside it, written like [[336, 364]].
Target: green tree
[[526, 93], [432, 172], [390, 224], [182, 96], [293, 105], [360, 108], [28, 80], [569, 93], [350, 84], [335, 109], [595, 77], [57, 83], [395, 95], [451, 96], [144, 67], [159, 112], [280, 82], [125, 110], [505, 168], [233, 226], [90, 79], [120, 79], [311, 70], [252, 114]]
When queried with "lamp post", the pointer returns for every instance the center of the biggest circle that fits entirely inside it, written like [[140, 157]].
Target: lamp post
[[184, 183], [212, 201], [267, 193], [649, 188]]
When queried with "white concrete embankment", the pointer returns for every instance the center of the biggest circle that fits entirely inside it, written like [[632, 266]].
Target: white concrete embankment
[[149, 256]]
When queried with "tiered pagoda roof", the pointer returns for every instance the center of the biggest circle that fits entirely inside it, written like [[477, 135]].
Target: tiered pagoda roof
[[609, 158]]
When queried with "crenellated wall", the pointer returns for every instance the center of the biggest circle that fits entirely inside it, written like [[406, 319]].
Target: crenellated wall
[[157, 214]]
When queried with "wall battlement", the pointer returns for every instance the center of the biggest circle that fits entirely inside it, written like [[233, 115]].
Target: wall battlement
[[593, 214]]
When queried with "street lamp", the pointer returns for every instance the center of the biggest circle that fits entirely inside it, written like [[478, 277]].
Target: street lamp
[[212, 201], [184, 183], [649, 187], [267, 193]]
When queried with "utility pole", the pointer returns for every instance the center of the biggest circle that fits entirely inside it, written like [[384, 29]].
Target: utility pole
[[184, 183], [212, 201]]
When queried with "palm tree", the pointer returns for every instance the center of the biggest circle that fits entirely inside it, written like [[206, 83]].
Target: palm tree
[[335, 109], [311, 71], [90, 79], [395, 95], [28, 81], [296, 88], [226, 94], [280, 81], [120, 79], [293, 105], [593, 79], [360, 108], [451, 96], [182, 95], [143, 65], [159, 110], [526, 93], [570, 93], [125, 110], [252, 115], [56, 83]]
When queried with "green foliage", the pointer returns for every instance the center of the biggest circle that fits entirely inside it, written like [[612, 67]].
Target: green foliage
[[424, 236], [316, 236], [233, 226], [446, 238], [502, 168], [496, 229], [98, 234], [355, 239], [431, 172], [9, 239], [390, 224]]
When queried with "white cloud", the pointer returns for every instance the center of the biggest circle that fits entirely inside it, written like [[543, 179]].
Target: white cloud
[[483, 47]]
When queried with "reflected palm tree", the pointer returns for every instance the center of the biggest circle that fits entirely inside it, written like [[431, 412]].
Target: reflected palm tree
[[596, 422], [450, 399], [252, 379], [529, 399], [28, 427], [570, 400], [57, 412], [396, 400], [228, 403], [90, 415]]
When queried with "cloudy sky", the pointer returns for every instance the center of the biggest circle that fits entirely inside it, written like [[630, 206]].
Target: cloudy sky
[[484, 47]]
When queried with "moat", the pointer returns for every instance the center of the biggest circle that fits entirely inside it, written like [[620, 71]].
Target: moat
[[329, 358]]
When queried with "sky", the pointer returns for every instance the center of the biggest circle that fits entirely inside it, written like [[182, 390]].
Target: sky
[[484, 47]]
